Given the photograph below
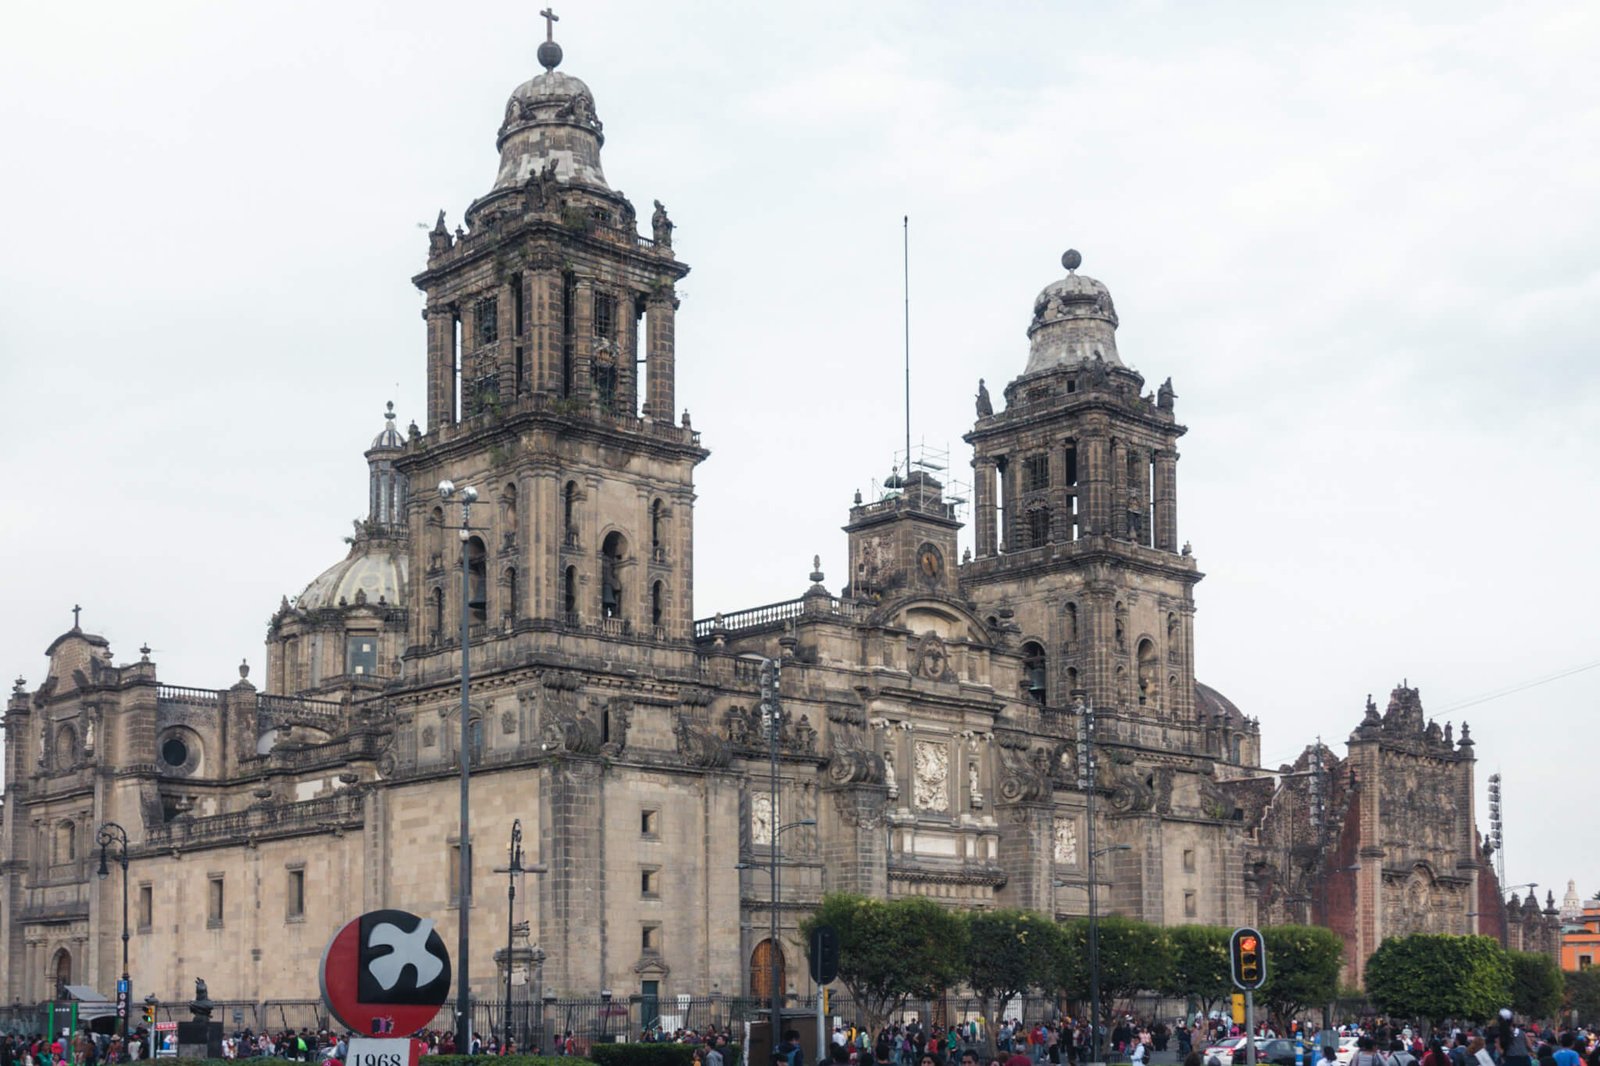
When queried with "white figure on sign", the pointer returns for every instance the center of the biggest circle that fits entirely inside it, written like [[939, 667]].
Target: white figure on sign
[[410, 949]]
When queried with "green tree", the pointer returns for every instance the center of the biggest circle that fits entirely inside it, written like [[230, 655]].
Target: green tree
[[1134, 958], [1199, 964], [1007, 953], [890, 950], [1536, 984], [1303, 963], [1583, 994], [1434, 977]]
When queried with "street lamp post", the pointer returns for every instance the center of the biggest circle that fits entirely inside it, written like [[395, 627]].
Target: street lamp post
[[772, 714], [469, 495], [112, 833], [1086, 782], [512, 868]]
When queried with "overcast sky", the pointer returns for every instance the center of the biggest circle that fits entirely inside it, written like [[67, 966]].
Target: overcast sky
[[1360, 237]]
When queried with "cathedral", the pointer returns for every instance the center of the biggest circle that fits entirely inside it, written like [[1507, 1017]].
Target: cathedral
[[919, 729]]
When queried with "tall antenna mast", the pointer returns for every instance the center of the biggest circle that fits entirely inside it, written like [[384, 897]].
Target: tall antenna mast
[[905, 281]]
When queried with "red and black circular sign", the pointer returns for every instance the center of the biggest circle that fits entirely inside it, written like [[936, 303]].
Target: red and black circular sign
[[386, 972]]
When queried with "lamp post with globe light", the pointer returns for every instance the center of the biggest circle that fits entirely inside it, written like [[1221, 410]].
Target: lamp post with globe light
[[111, 833]]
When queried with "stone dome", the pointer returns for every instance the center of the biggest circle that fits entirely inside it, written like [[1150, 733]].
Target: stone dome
[[1074, 321], [389, 439], [551, 123], [375, 568]]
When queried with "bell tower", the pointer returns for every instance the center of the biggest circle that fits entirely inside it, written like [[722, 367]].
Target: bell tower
[[1076, 516], [551, 365]]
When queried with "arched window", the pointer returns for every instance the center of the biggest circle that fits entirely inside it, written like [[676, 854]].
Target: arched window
[[657, 530], [1072, 679], [61, 965], [1149, 682], [477, 580], [1033, 670], [66, 843], [436, 609], [436, 534], [612, 552], [512, 603], [475, 738], [508, 512], [569, 513], [569, 595], [655, 604], [1071, 623]]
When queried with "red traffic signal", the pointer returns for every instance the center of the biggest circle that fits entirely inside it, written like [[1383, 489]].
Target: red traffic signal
[[1247, 958]]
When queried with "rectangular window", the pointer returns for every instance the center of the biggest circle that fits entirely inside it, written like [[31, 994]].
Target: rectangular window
[[214, 902], [1037, 471], [649, 819], [1585, 961], [1190, 906], [147, 907], [1188, 861], [650, 939], [486, 319], [295, 897], [361, 654], [650, 883], [605, 315], [1072, 464]]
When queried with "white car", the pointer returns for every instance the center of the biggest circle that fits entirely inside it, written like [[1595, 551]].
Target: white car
[[1347, 1049], [1222, 1049]]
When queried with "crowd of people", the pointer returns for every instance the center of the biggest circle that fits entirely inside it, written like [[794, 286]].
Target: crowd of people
[[1201, 1041]]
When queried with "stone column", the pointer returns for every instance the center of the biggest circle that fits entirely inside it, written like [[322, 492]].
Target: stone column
[[441, 365], [505, 354], [1116, 511], [1010, 535], [984, 513], [661, 333], [583, 341], [1095, 475], [545, 313], [1166, 500]]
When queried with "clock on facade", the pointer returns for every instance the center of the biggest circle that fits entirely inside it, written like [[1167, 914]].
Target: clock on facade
[[930, 563]]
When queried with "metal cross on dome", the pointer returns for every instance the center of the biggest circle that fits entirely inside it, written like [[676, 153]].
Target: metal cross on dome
[[550, 20]]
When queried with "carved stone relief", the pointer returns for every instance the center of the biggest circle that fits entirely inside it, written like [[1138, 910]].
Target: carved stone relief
[[1066, 842], [932, 792], [761, 818]]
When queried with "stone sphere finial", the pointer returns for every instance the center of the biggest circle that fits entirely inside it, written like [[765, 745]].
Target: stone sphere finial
[[1072, 259], [549, 55]]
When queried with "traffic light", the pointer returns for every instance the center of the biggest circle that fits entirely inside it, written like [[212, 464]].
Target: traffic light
[[1247, 956], [149, 1015]]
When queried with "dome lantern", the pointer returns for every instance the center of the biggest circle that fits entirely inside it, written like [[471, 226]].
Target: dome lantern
[[1074, 321], [551, 125]]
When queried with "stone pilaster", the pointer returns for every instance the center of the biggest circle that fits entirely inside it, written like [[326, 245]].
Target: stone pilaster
[[661, 328]]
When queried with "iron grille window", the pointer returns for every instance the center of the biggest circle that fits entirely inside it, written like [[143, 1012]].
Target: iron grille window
[[1037, 472], [605, 315], [486, 314]]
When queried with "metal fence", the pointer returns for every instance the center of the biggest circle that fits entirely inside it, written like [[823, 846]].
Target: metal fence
[[539, 1025]]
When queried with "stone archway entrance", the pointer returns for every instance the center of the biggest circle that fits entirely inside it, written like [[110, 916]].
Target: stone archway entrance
[[766, 960]]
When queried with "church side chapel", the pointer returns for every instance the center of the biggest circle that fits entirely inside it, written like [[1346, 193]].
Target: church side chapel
[[934, 709]]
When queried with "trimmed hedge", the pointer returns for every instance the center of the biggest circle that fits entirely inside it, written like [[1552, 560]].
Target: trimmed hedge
[[642, 1054], [656, 1054]]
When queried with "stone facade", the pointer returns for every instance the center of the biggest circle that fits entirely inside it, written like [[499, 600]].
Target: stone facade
[[931, 711], [1384, 842]]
